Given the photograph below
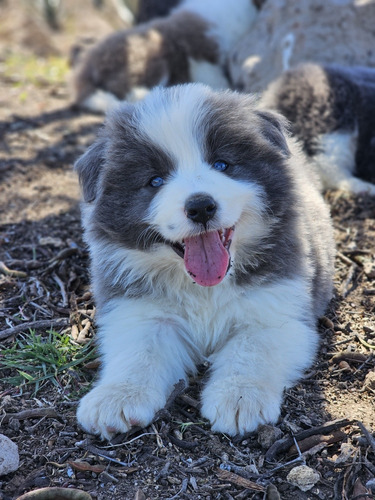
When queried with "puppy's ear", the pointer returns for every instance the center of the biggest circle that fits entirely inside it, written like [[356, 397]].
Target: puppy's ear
[[88, 167], [275, 130]]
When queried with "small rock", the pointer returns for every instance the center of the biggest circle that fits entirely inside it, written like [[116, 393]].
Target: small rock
[[267, 435], [105, 477], [173, 480], [303, 477], [9, 458], [140, 495], [272, 493], [369, 382]]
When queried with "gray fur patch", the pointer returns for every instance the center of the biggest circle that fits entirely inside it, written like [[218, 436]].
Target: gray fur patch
[[257, 149], [321, 99]]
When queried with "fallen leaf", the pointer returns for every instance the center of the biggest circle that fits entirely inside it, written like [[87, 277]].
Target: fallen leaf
[[83, 466]]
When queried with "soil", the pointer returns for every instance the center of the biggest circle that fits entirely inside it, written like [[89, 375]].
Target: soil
[[177, 456]]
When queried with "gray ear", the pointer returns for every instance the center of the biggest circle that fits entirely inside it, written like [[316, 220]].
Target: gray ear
[[275, 130], [88, 168]]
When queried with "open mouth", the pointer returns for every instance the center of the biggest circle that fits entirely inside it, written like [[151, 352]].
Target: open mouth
[[206, 255]]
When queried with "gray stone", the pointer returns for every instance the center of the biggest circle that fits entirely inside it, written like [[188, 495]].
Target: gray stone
[[9, 458], [303, 477], [267, 435]]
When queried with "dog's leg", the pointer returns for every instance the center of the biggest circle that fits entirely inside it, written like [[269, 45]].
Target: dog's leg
[[250, 373], [143, 356]]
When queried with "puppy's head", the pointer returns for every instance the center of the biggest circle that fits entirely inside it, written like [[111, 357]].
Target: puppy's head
[[190, 175]]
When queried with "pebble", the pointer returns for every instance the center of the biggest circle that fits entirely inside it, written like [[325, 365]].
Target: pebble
[[267, 435], [105, 477], [9, 458], [303, 477]]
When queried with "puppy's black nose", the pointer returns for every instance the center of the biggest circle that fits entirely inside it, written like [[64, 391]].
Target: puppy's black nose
[[200, 208]]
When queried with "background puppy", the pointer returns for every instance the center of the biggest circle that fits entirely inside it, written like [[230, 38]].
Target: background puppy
[[209, 240], [332, 112], [191, 44]]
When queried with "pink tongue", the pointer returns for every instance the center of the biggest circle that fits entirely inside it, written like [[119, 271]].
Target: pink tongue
[[206, 259]]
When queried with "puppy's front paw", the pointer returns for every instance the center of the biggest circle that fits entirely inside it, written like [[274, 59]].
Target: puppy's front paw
[[234, 406], [109, 409]]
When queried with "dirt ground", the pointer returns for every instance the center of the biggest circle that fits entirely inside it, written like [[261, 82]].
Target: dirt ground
[[330, 413]]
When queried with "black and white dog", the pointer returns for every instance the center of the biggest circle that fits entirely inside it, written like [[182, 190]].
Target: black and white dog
[[209, 240], [332, 112], [191, 44]]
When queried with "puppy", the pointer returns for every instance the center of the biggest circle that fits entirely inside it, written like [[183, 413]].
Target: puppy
[[209, 240], [332, 112], [191, 44]]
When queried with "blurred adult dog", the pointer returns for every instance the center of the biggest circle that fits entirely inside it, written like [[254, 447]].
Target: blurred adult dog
[[209, 240], [331, 109]]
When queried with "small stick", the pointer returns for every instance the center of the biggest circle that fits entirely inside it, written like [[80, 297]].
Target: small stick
[[226, 475], [344, 289], [345, 259], [43, 323], [28, 264], [32, 413], [366, 344], [283, 445], [11, 272], [182, 490], [62, 290], [369, 437]]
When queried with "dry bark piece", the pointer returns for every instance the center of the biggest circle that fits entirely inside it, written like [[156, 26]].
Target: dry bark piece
[[283, 445], [43, 324], [83, 466], [312, 441], [344, 366], [360, 492], [93, 365], [356, 357], [226, 475], [326, 322], [32, 413]]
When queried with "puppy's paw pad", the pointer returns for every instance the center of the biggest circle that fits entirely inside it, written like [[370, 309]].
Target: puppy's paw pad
[[237, 407], [107, 409]]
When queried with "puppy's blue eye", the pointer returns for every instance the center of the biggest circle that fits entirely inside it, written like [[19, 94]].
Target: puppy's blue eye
[[156, 182], [220, 165]]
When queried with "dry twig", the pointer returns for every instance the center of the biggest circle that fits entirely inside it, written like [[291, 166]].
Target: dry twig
[[43, 323], [226, 475], [32, 413], [283, 445]]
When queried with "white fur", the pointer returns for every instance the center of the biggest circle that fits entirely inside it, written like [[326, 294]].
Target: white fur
[[336, 163], [257, 341], [230, 20], [100, 101], [208, 73]]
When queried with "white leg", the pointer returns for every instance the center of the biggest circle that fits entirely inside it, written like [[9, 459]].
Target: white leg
[[144, 355], [250, 373], [356, 186]]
